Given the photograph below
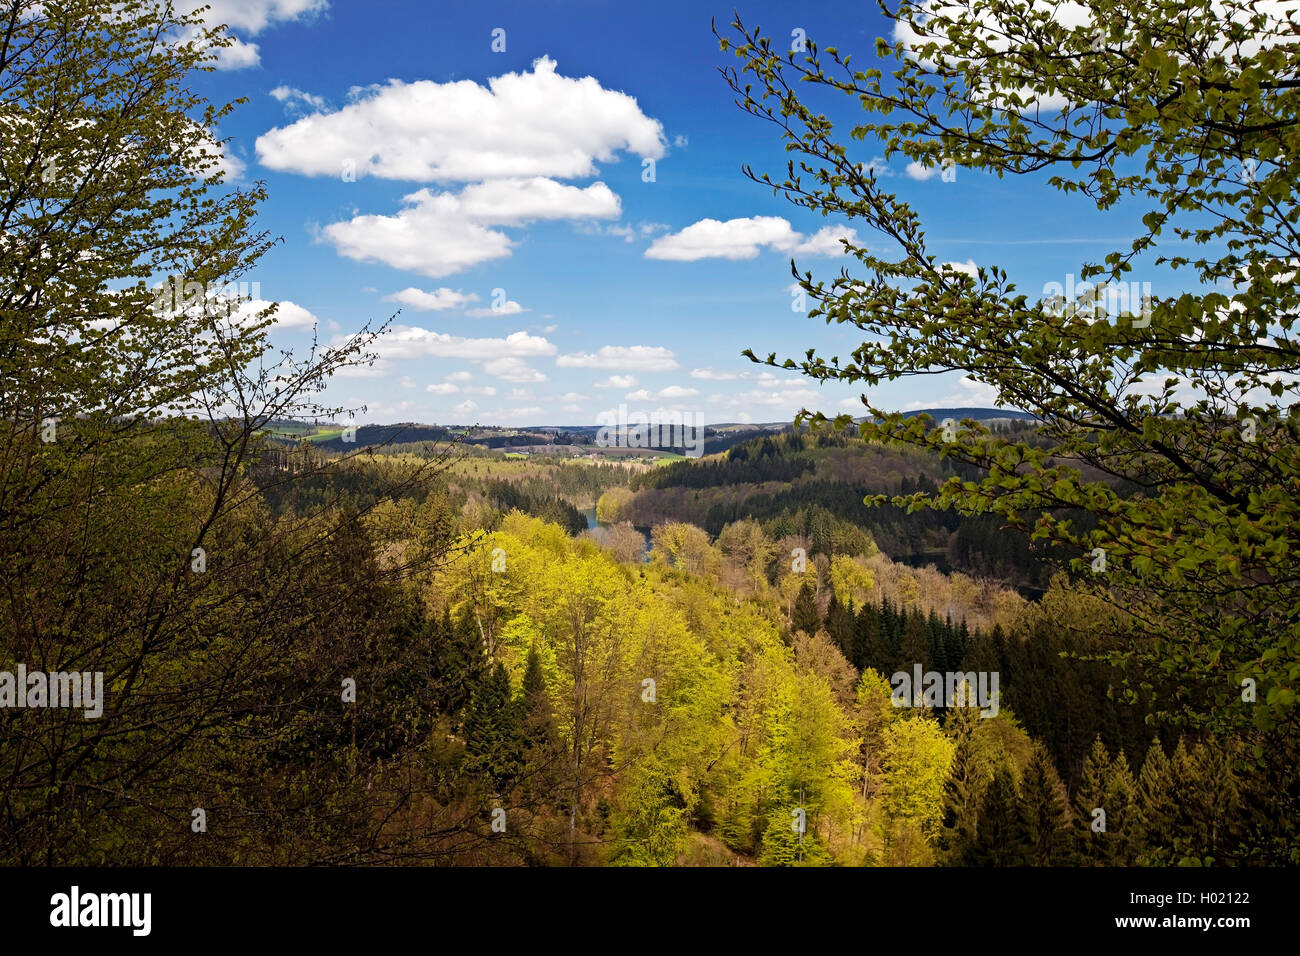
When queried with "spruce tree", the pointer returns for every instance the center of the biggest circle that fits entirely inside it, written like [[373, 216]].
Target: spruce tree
[[962, 790], [999, 840], [840, 626], [493, 732], [806, 617], [1044, 817], [1157, 802], [542, 753]]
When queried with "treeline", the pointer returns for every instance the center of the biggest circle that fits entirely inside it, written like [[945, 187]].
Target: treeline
[[508, 496], [826, 477], [1062, 701]]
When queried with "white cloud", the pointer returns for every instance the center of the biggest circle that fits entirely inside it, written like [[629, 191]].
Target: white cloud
[[509, 307], [459, 377], [988, 20], [510, 202], [438, 234], [480, 390], [680, 141], [408, 341], [571, 408], [968, 394], [206, 156], [743, 239], [787, 399], [638, 358], [465, 408], [618, 381], [713, 375], [296, 100], [249, 18], [574, 397], [677, 391], [640, 395], [290, 315], [916, 171], [444, 388], [536, 123], [436, 301], [767, 379], [513, 370], [967, 267]]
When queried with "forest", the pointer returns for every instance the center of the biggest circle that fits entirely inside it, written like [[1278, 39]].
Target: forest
[[411, 650]]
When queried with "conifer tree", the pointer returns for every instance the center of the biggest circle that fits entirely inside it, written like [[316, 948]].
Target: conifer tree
[[542, 751], [1000, 838], [1157, 802], [806, 617], [493, 737], [1107, 785], [1044, 815], [962, 790]]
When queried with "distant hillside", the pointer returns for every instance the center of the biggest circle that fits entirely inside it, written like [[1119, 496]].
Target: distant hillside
[[976, 414], [561, 439]]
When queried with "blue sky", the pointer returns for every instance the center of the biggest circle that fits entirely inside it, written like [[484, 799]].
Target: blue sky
[[411, 166]]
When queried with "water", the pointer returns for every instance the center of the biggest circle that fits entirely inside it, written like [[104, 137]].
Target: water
[[594, 525]]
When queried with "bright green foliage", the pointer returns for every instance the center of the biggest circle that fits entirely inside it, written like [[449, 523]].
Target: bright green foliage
[[1166, 425], [916, 760]]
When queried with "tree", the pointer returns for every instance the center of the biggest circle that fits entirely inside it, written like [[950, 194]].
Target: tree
[[916, 760], [1163, 420], [137, 386], [1110, 824], [493, 740], [1043, 814], [1158, 803], [999, 841], [806, 616], [963, 788]]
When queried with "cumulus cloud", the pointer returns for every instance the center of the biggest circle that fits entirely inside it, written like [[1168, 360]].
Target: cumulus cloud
[[713, 374], [744, 238], [289, 315], [967, 267], [513, 370], [618, 381], [968, 394], [436, 301], [249, 18], [296, 100], [438, 234], [638, 358], [526, 124], [509, 307], [916, 171], [408, 341], [1275, 31], [677, 391]]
